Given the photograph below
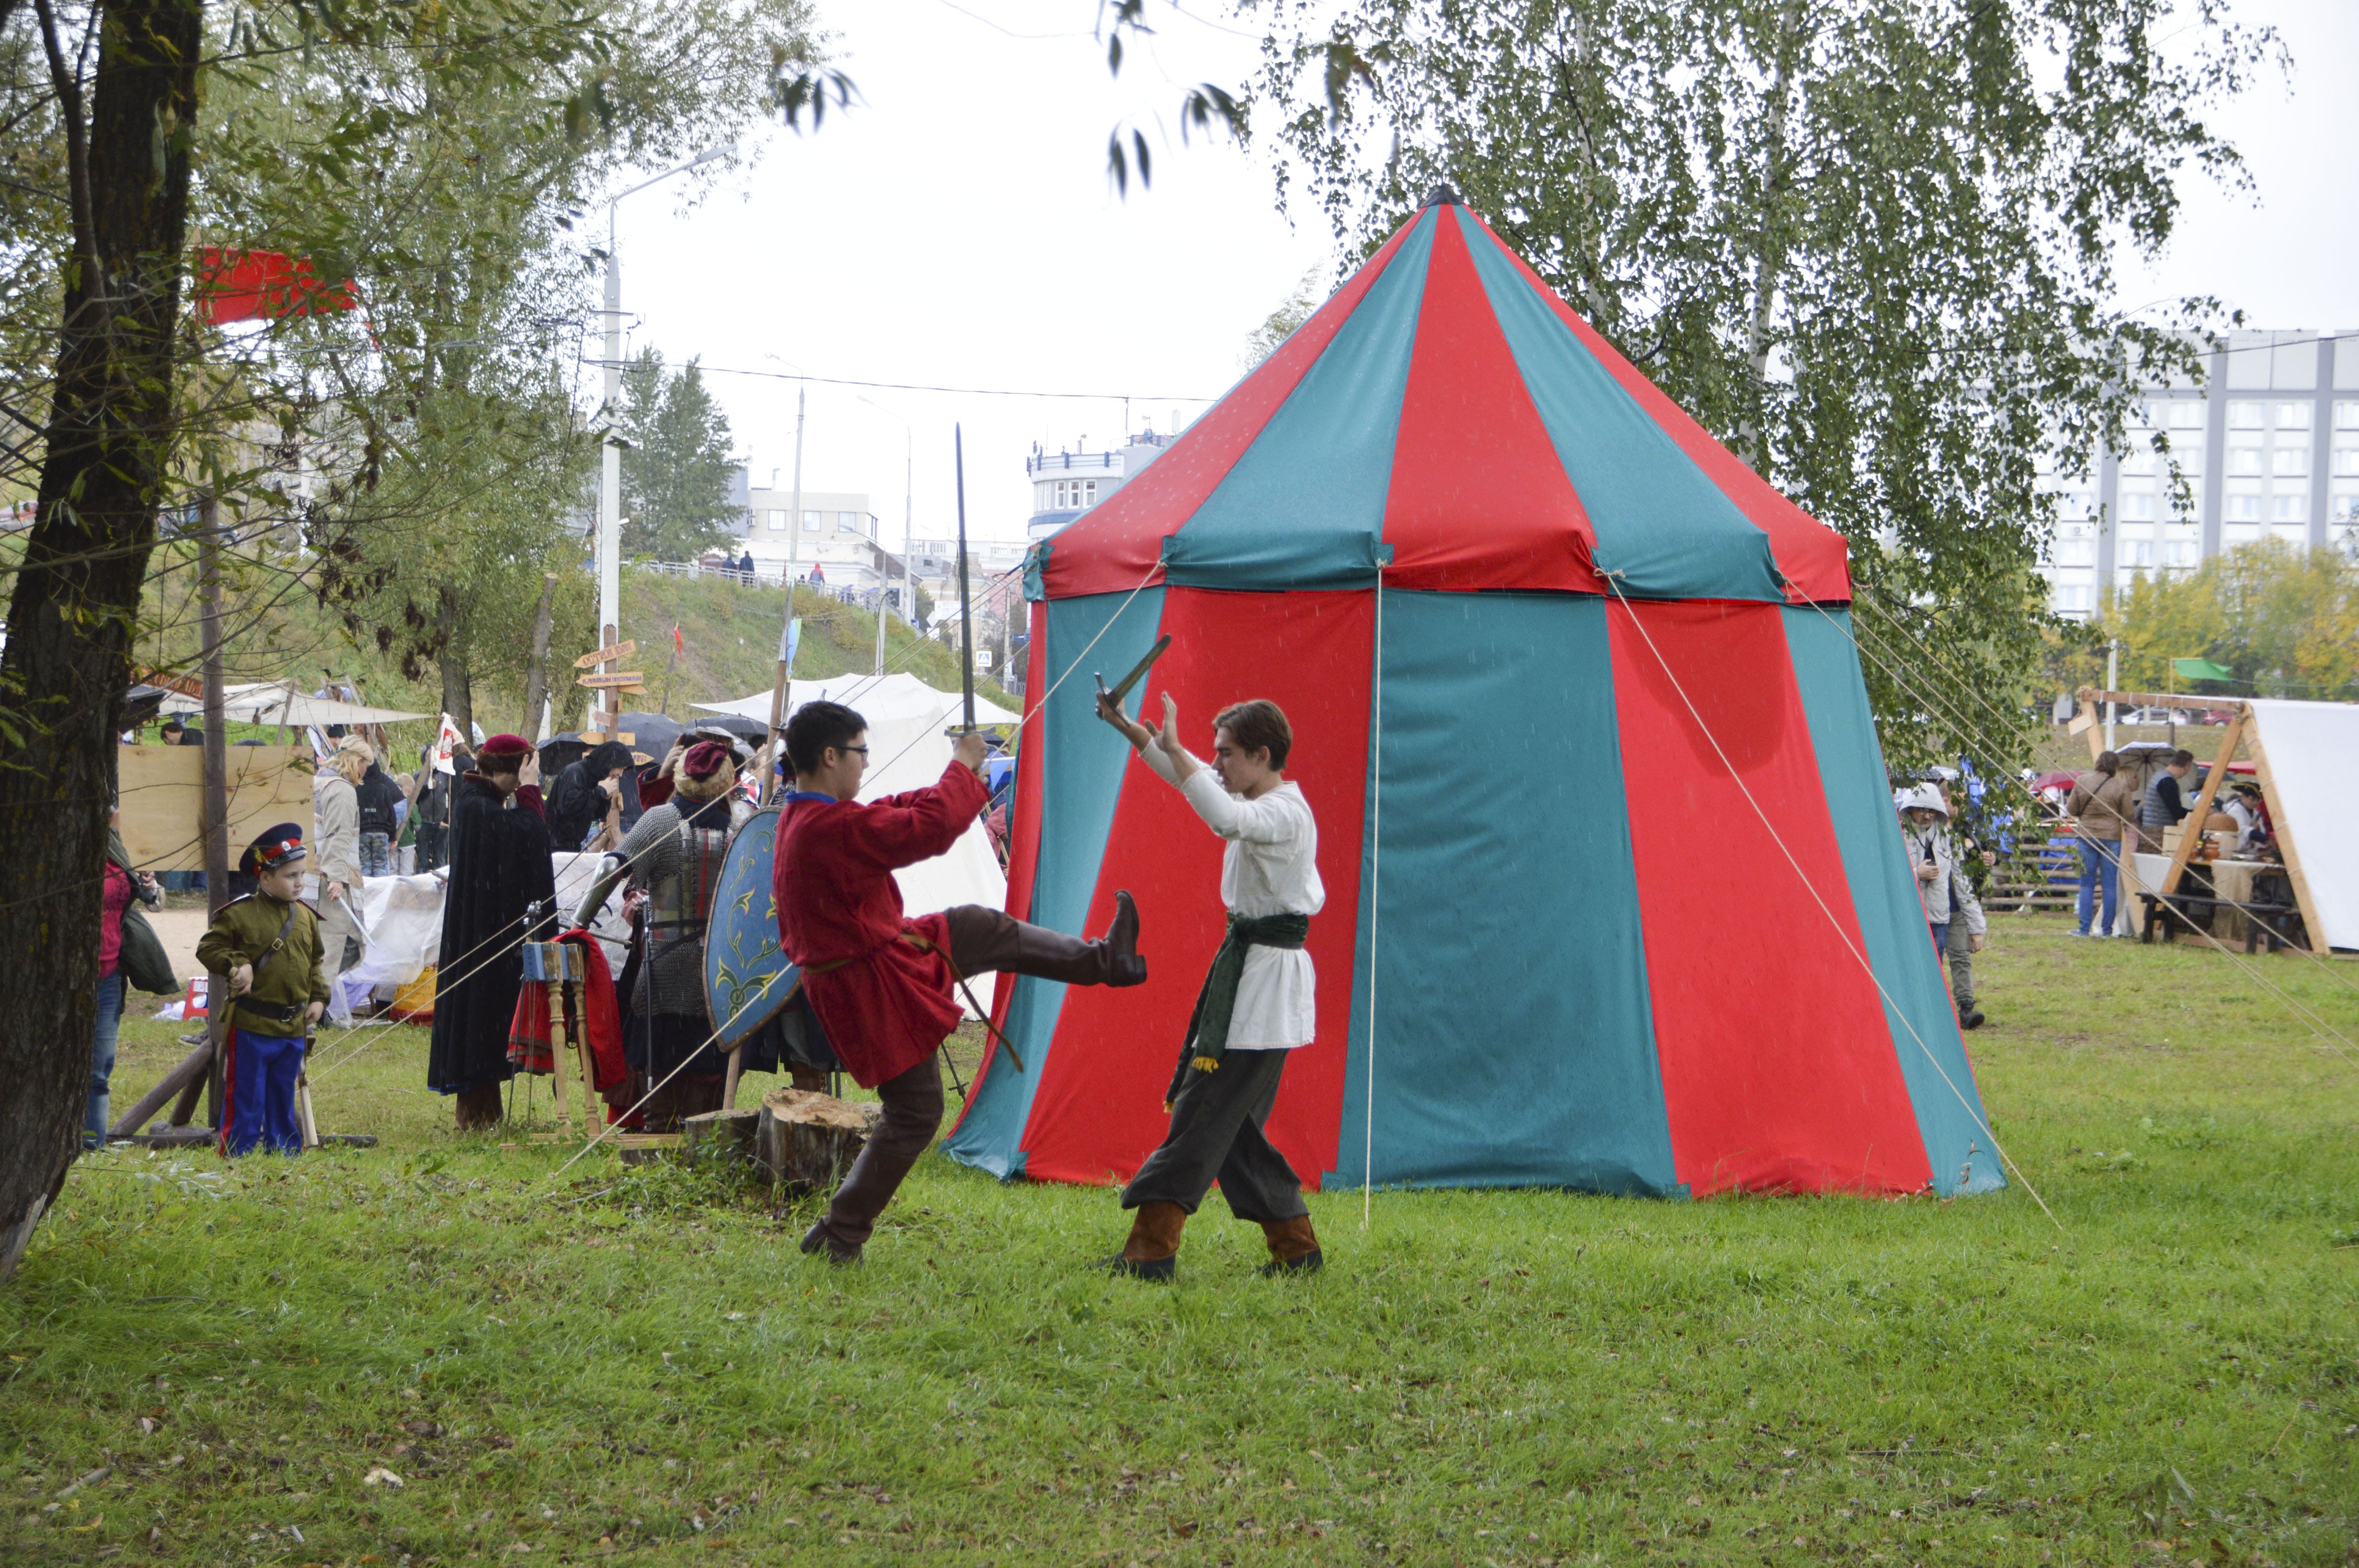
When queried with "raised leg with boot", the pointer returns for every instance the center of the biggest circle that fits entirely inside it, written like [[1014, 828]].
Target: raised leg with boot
[[987, 939]]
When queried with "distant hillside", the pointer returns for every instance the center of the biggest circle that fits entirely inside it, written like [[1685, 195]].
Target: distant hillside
[[731, 637], [729, 634]]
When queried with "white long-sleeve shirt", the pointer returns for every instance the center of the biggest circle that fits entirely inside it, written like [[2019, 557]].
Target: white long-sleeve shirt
[[1270, 866]]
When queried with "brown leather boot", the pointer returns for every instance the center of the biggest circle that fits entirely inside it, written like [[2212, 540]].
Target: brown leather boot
[[1123, 965], [1293, 1248], [1152, 1250], [1111, 960], [479, 1106]]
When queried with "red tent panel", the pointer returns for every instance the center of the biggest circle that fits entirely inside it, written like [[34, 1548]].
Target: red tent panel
[[1811, 555], [1475, 473], [1099, 1108], [1733, 933]]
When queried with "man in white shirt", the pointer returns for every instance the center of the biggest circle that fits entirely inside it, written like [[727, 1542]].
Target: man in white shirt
[[1258, 999]]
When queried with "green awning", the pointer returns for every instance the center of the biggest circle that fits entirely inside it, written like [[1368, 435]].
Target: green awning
[[2200, 669]]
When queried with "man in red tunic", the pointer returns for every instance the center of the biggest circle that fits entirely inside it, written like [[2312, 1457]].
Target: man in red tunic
[[881, 982]]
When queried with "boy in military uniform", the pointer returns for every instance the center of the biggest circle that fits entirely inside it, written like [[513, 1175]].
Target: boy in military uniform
[[268, 944]]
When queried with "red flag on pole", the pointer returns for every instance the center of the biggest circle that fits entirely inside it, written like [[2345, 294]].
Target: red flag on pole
[[245, 285]]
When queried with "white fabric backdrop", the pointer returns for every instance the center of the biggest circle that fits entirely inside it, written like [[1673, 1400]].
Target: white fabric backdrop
[[2314, 756], [908, 748]]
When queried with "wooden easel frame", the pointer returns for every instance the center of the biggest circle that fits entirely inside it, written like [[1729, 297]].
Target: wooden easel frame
[[2200, 812]]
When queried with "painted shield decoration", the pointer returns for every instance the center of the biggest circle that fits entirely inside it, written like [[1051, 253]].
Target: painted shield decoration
[[746, 978]]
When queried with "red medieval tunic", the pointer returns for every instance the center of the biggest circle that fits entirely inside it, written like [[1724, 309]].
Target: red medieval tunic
[[885, 1003]]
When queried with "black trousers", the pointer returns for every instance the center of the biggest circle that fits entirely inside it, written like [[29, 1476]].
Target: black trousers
[[1216, 1134]]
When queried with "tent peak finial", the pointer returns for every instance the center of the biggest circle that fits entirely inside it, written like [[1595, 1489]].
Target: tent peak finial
[[1444, 195]]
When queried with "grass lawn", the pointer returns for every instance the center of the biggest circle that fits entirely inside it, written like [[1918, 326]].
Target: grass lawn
[[638, 1364]]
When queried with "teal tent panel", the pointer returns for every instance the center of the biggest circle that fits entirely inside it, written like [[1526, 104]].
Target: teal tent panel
[[1304, 508], [1884, 897], [1660, 520], [1513, 1044], [1081, 778]]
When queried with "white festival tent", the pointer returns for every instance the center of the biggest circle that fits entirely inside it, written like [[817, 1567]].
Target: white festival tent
[[908, 747], [2310, 755], [279, 702], [2307, 754]]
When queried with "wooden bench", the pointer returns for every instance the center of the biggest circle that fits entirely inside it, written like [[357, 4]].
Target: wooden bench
[[2273, 923]]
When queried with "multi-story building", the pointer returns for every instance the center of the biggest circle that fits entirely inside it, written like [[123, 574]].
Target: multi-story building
[[1066, 484], [837, 534], [2268, 445]]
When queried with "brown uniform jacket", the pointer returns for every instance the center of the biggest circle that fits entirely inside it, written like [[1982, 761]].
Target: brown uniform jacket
[[285, 982]]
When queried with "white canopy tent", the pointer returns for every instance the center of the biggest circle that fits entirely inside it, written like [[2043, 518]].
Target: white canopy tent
[[279, 702], [908, 747], [2309, 754]]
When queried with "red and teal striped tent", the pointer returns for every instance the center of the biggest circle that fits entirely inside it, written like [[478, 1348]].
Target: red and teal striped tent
[[1616, 897]]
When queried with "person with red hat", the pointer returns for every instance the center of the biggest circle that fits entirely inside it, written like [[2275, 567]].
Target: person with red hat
[[501, 893], [879, 982], [268, 944], [673, 854]]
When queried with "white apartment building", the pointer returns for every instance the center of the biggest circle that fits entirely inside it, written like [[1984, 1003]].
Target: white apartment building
[[2269, 449], [1066, 484], [839, 535]]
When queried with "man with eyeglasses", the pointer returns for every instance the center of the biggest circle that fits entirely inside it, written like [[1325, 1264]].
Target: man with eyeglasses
[[878, 982]]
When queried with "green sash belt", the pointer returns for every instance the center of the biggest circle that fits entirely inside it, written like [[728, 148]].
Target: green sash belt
[[1208, 1026]]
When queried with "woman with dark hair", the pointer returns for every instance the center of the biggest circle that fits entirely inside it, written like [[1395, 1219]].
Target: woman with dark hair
[[2104, 804], [128, 954], [585, 794]]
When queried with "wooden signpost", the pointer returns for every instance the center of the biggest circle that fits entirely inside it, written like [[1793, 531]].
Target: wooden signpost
[[610, 681]]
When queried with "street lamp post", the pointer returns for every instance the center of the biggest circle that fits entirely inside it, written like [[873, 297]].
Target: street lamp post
[[908, 491], [610, 456]]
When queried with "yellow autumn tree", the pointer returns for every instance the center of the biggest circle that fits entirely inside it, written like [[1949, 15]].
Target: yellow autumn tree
[[2283, 618]]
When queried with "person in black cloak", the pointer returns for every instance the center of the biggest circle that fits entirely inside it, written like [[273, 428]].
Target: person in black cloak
[[499, 869], [577, 800]]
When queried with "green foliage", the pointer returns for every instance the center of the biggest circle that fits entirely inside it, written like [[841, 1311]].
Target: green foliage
[[675, 471], [1279, 324], [635, 1361], [1870, 244], [2282, 619]]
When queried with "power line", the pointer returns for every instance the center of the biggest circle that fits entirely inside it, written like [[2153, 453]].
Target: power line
[[964, 391]]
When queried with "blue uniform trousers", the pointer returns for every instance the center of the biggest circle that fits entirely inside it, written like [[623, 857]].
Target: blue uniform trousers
[[262, 1073]]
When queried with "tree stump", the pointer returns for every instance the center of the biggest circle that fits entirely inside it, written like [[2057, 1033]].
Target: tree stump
[[806, 1140], [724, 1135]]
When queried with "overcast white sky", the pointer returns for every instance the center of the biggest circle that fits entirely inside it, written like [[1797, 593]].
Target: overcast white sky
[[958, 229]]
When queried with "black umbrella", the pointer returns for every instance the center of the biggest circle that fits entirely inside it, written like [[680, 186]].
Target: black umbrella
[[748, 730], [559, 753], [650, 733]]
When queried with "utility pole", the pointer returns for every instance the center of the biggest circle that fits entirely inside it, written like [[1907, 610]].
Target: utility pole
[[966, 607], [215, 821], [795, 518], [2112, 683], [610, 455], [610, 476], [908, 478]]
